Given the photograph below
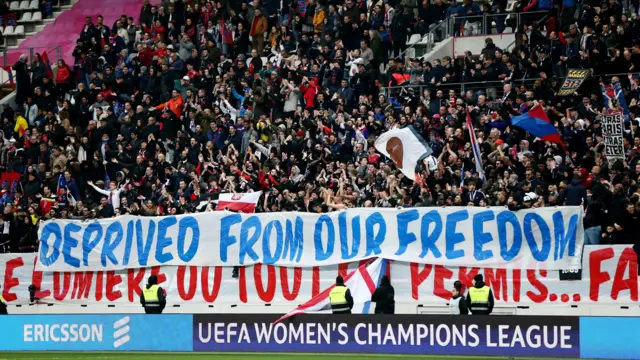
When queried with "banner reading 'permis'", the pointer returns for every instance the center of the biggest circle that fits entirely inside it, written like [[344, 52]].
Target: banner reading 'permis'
[[609, 275], [547, 238]]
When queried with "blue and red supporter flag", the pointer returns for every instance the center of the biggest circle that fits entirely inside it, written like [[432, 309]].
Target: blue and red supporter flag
[[10, 73], [537, 123], [362, 282], [476, 148]]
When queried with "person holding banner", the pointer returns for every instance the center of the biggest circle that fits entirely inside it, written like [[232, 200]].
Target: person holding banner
[[384, 297]]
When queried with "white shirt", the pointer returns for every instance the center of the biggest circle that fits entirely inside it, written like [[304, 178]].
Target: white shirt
[[454, 306], [113, 196]]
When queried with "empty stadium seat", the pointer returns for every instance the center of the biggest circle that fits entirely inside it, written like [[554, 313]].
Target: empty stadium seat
[[24, 5], [34, 5], [8, 31], [19, 30], [37, 16], [15, 5], [26, 17], [413, 39]]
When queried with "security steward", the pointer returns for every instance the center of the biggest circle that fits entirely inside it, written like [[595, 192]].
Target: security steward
[[340, 297], [153, 297], [480, 299], [3, 306], [457, 304]]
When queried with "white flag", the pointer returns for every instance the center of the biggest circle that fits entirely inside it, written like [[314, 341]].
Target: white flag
[[362, 282], [405, 147]]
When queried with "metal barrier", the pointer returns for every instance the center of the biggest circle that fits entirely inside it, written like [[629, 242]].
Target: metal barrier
[[476, 87], [8, 57], [483, 25], [492, 88]]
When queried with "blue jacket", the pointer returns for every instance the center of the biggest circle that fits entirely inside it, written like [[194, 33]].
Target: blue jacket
[[569, 3], [455, 9], [475, 11]]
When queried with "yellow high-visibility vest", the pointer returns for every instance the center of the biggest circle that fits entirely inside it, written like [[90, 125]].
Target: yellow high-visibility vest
[[338, 299], [479, 298], [151, 296]]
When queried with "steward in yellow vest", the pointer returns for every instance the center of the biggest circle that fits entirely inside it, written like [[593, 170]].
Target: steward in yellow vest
[[340, 297], [3, 306], [153, 297], [480, 299]]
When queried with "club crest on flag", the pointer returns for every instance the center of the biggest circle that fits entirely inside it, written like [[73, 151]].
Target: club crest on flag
[[405, 147]]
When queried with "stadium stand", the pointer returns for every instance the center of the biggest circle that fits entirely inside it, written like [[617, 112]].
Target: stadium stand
[[179, 102]]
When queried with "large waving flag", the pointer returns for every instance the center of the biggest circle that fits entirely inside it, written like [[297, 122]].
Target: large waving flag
[[226, 33], [362, 282], [9, 71], [476, 149], [536, 122], [47, 64], [241, 202], [405, 147]]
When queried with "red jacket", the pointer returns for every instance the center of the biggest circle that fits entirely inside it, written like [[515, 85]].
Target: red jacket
[[63, 75], [309, 93]]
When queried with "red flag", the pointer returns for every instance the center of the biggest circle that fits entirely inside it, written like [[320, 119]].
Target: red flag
[[47, 64], [10, 72], [226, 34], [241, 202]]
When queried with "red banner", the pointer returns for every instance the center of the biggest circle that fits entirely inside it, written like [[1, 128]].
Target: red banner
[[609, 275]]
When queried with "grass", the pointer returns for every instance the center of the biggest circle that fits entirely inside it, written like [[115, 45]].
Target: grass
[[220, 356]]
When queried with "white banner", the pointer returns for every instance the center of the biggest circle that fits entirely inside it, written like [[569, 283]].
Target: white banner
[[612, 129], [546, 238], [609, 275]]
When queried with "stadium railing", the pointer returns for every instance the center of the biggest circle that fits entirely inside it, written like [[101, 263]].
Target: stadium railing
[[8, 57]]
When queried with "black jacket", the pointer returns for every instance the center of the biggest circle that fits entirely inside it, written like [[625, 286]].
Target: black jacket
[[384, 298], [574, 194]]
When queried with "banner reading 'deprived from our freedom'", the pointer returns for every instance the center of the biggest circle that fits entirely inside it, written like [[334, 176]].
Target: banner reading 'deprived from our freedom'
[[546, 238]]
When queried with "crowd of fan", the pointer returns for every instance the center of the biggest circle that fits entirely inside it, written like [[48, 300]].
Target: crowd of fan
[[160, 114]]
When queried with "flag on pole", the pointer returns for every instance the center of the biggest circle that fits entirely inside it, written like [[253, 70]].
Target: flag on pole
[[241, 202], [10, 74], [613, 98], [62, 183], [476, 148], [405, 147], [227, 36], [537, 123], [47, 65], [362, 282]]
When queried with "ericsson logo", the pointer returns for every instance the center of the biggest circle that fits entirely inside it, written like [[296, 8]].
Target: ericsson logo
[[121, 332]]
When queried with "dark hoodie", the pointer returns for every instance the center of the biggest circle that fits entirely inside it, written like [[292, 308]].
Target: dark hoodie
[[384, 297], [574, 194]]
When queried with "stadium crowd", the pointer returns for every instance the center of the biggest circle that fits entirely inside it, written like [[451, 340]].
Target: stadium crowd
[[162, 112]]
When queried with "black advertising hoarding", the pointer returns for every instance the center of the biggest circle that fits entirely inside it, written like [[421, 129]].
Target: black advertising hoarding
[[521, 336]]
